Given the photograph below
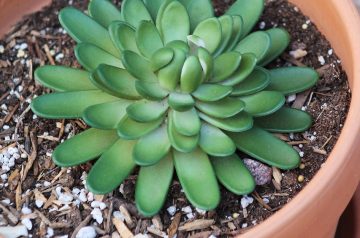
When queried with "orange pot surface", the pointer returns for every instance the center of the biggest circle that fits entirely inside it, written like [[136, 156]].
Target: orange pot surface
[[315, 211]]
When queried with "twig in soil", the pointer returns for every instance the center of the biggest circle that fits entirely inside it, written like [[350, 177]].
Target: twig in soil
[[18, 200], [48, 54], [63, 170], [32, 156], [122, 228], [301, 99], [298, 142], [108, 218], [290, 59], [12, 217], [320, 151], [7, 147], [20, 118], [50, 138], [11, 141], [155, 231], [4, 96], [197, 225], [173, 228], [81, 225], [48, 37], [318, 117], [326, 142], [260, 201]]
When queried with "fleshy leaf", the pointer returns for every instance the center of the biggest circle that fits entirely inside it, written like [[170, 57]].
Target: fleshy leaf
[[255, 82], [153, 7], [225, 65], [83, 28], [227, 23], [197, 178], [248, 63], [207, 62], [175, 22], [237, 30], [134, 11], [215, 142], [151, 148], [285, 120], [104, 12], [178, 141], [191, 74], [84, 147], [107, 115], [153, 178], [258, 43], [210, 31], [85, 52], [117, 81], [111, 168], [181, 102], [223, 108], [151, 90], [263, 103], [265, 147], [179, 45], [187, 123], [211, 92], [138, 66], [199, 11], [124, 36], [241, 122], [129, 129], [169, 76], [148, 39], [68, 105], [290, 80], [161, 58], [280, 40], [63, 79], [249, 10], [233, 174], [146, 111]]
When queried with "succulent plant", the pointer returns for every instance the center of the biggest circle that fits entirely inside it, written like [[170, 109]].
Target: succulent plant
[[167, 85]]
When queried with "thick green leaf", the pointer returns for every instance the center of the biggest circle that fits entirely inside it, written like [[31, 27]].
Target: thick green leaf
[[151, 90], [104, 12], [225, 65], [175, 22], [227, 24], [107, 115], [248, 63], [195, 43], [181, 102], [223, 108], [138, 66], [68, 105], [211, 92], [153, 7], [84, 147], [207, 62], [249, 10], [178, 141], [152, 186], [151, 148], [233, 174], [169, 76], [85, 52], [258, 43], [117, 81], [146, 111], [187, 123], [148, 39], [161, 58], [199, 11], [197, 178], [290, 80], [285, 120], [191, 74], [112, 168], [267, 148], [255, 82], [83, 28], [263, 103], [215, 142], [179, 45], [134, 11], [159, 17], [129, 129], [237, 30], [210, 31], [241, 122], [280, 40], [63, 79], [123, 35]]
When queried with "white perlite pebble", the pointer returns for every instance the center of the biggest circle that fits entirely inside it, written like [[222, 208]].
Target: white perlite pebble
[[262, 25], [86, 232], [171, 210], [39, 203], [119, 215], [321, 59], [246, 201], [291, 98], [25, 210], [59, 56], [304, 26], [26, 222], [186, 209], [330, 52], [2, 49], [49, 232], [97, 215]]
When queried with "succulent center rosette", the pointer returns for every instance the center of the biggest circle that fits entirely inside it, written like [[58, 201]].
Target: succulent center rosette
[[167, 85]]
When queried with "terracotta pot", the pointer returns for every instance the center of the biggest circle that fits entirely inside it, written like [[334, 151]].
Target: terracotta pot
[[316, 210]]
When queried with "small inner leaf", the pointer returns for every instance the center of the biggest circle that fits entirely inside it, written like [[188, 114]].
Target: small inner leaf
[[225, 65], [123, 36], [199, 11], [210, 31], [258, 43], [255, 82], [146, 111], [241, 122], [263, 103], [180, 101], [191, 75], [237, 30], [187, 123], [223, 108], [211, 92], [227, 24], [138, 66], [129, 129], [134, 11], [150, 90], [207, 62], [161, 58], [148, 39]]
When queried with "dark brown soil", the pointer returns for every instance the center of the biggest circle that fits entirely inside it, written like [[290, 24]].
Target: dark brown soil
[[328, 103]]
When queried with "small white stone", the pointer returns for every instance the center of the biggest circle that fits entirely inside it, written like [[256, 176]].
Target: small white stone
[[171, 210], [190, 215], [6, 127], [20, 54], [330, 52], [262, 25], [39, 203], [301, 153], [25, 210], [246, 201], [86, 232], [4, 177], [305, 26], [49, 232], [200, 211], [65, 198], [26, 222], [2, 49], [321, 60], [59, 56], [34, 117], [291, 98], [299, 53], [90, 196], [266, 200], [47, 184], [119, 215], [97, 215], [244, 225], [23, 46], [6, 201], [7, 138], [82, 196]]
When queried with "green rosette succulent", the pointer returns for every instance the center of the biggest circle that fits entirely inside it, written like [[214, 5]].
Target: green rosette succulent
[[167, 86]]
